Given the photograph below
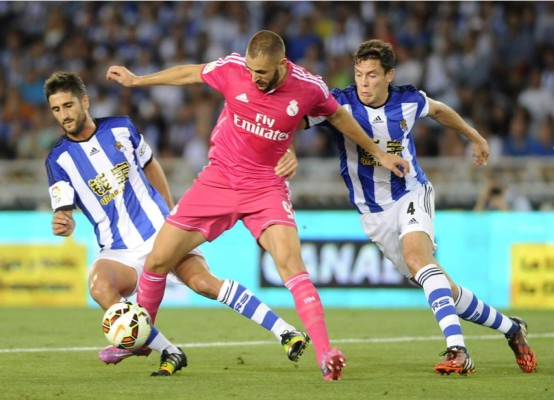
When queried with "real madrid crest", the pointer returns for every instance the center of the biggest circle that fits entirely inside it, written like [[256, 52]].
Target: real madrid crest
[[292, 108]]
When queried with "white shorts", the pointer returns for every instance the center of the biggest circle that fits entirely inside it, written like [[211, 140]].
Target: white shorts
[[412, 213], [135, 258]]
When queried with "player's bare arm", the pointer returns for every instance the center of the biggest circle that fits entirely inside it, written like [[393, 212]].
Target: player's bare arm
[[446, 116], [302, 125], [176, 76], [287, 164], [346, 123], [63, 223], [157, 178]]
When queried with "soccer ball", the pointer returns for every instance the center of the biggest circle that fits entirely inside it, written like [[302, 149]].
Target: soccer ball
[[126, 325]]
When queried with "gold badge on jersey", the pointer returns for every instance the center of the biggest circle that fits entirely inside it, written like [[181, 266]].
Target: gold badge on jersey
[[404, 125], [119, 146]]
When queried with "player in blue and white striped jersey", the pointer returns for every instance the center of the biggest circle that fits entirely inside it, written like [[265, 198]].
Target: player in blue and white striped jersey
[[104, 167], [397, 212]]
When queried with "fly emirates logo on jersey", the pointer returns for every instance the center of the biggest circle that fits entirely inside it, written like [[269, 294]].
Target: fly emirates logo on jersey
[[262, 126]]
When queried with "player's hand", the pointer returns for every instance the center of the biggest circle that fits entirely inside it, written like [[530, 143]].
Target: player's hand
[[122, 75], [396, 164], [62, 224], [480, 151], [287, 165]]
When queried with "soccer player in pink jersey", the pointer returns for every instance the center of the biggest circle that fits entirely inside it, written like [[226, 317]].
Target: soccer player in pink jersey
[[105, 167], [266, 97]]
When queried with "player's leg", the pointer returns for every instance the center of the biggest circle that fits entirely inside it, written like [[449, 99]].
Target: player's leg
[[188, 225], [405, 234], [109, 282], [470, 308], [171, 246], [195, 273], [418, 254], [282, 242], [203, 212], [414, 215]]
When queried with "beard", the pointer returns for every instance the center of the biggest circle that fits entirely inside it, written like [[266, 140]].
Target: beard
[[272, 82], [79, 125]]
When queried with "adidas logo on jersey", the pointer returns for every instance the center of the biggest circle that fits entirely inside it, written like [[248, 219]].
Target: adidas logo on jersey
[[377, 120], [412, 221], [94, 151], [242, 97]]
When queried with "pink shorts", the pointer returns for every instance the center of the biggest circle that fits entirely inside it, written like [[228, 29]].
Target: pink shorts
[[211, 207]]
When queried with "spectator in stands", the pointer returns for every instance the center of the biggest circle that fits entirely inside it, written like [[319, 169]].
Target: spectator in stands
[[86, 36], [537, 100], [495, 195], [519, 142], [548, 71], [298, 43], [545, 138], [89, 36]]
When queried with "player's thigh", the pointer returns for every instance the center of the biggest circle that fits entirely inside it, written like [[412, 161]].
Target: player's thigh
[[108, 275], [281, 241], [416, 211], [269, 216], [209, 208], [382, 230], [418, 250], [415, 219], [261, 210], [171, 246]]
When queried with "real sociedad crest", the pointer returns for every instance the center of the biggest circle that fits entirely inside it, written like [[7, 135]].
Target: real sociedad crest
[[404, 125], [119, 146]]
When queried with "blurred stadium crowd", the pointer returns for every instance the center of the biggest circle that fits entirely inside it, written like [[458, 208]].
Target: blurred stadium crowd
[[491, 61]]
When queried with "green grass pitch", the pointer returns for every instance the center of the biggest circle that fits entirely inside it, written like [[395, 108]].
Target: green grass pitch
[[52, 354]]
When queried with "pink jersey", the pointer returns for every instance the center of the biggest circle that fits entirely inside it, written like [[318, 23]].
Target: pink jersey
[[255, 128]]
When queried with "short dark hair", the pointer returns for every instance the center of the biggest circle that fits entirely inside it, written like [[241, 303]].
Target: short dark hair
[[375, 49], [62, 81], [266, 43]]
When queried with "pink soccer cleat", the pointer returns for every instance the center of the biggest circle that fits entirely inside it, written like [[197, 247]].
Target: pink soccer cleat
[[332, 365], [114, 355]]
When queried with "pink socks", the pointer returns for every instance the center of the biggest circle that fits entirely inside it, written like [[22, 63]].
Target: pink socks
[[310, 311], [151, 290]]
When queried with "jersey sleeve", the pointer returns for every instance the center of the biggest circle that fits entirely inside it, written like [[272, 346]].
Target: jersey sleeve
[[62, 193], [326, 104], [313, 121], [423, 105], [215, 74], [143, 151]]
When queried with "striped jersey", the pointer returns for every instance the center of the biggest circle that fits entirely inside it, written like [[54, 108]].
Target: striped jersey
[[103, 176], [255, 128], [373, 188]]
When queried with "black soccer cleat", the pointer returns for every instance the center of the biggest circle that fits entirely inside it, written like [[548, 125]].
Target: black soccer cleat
[[171, 363]]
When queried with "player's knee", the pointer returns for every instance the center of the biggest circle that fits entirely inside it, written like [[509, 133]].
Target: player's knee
[[417, 260], [103, 292], [157, 263]]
